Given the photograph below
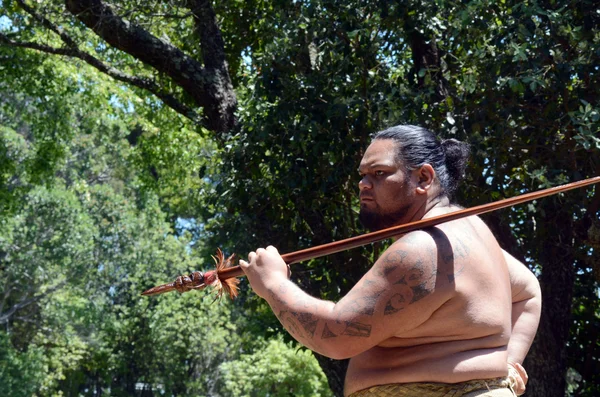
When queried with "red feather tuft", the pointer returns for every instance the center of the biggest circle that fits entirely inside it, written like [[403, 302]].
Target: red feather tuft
[[230, 285]]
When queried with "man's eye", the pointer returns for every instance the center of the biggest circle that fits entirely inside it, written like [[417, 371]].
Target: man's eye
[[379, 173]]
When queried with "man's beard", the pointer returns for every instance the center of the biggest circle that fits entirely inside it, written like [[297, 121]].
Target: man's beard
[[376, 220]]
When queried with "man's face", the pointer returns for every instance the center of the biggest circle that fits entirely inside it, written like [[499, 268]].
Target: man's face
[[387, 193]]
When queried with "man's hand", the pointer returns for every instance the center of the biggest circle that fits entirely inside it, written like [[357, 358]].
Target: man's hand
[[264, 269], [518, 377]]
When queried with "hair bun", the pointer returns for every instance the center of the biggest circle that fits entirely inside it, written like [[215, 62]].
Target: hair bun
[[457, 156]]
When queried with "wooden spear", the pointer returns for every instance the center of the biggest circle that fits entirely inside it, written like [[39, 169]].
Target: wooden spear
[[221, 277]]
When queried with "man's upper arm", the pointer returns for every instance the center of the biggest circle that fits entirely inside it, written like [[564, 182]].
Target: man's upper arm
[[526, 308], [524, 285], [393, 296]]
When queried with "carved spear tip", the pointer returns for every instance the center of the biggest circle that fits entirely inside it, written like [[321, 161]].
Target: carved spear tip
[[161, 289], [199, 280]]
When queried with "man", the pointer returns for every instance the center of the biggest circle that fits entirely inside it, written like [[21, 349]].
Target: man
[[444, 311]]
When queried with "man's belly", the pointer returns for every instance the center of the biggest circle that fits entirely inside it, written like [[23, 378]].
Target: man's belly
[[444, 362]]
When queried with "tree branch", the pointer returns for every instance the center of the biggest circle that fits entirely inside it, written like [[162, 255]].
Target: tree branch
[[5, 317], [208, 31], [213, 54], [49, 25], [139, 82], [4, 39], [207, 87]]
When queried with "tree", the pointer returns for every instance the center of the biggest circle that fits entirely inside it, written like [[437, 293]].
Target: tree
[[312, 80], [205, 85], [83, 233], [276, 370]]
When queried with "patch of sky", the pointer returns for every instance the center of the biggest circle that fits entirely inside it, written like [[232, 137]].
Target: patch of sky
[[5, 22], [486, 171], [391, 49], [114, 101], [189, 224], [247, 57], [192, 226]]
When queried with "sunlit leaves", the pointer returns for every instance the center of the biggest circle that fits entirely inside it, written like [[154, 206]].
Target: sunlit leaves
[[293, 370], [95, 176]]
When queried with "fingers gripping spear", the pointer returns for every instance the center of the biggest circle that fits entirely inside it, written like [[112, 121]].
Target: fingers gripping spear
[[223, 278]]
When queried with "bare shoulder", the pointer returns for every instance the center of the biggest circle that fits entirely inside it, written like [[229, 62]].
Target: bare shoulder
[[413, 255], [408, 269], [453, 258], [429, 258]]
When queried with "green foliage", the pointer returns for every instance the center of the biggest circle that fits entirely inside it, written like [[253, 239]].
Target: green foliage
[[276, 369], [199, 329], [45, 247], [15, 367], [14, 154], [84, 231], [96, 176], [175, 161]]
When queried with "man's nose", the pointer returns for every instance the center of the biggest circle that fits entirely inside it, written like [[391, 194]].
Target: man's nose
[[364, 183]]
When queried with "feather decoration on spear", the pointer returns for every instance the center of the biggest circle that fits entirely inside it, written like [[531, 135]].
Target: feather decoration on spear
[[224, 281], [199, 280]]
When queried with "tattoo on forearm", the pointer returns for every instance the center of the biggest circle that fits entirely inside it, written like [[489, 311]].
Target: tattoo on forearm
[[357, 329], [276, 296], [277, 299], [289, 323], [364, 305], [353, 328], [308, 322], [327, 333]]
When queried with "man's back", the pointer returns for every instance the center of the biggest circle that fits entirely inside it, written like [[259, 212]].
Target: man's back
[[459, 291], [438, 305]]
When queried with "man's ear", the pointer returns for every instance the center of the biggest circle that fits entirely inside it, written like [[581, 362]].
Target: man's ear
[[425, 177]]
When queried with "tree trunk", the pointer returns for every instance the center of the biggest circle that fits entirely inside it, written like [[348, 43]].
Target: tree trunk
[[335, 370], [426, 57], [547, 359]]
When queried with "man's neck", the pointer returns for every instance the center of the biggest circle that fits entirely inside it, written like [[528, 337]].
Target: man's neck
[[438, 206]]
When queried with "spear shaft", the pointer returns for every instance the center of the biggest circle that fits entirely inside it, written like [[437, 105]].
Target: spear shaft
[[223, 277], [364, 239]]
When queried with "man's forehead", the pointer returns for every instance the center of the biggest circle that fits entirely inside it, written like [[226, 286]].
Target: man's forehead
[[380, 152]]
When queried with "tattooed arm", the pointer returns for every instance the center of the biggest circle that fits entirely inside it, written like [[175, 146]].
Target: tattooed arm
[[389, 299]]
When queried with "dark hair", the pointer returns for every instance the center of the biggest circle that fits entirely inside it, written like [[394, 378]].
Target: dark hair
[[418, 146]]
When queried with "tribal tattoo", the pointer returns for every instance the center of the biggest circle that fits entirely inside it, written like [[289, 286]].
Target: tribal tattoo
[[411, 285], [406, 283]]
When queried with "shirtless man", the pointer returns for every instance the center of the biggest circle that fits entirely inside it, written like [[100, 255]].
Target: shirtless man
[[443, 310]]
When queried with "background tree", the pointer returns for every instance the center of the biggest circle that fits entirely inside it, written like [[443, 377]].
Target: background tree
[[83, 233], [248, 120]]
